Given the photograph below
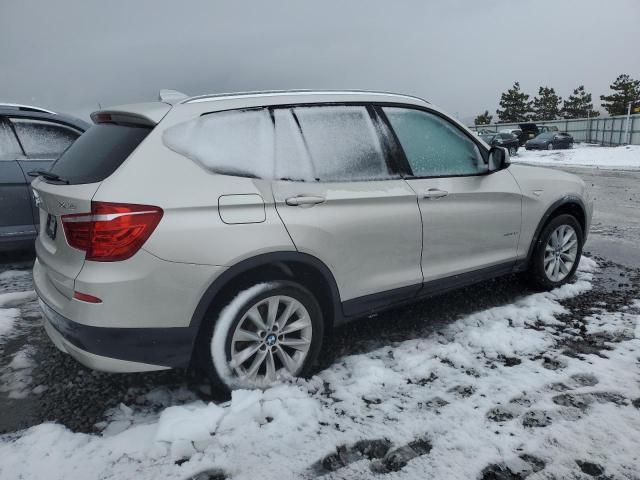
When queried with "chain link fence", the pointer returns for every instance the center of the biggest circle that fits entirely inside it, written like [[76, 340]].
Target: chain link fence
[[608, 131]]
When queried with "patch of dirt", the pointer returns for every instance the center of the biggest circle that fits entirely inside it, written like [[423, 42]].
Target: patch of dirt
[[584, 379], [519, 469], [536, 418], [463, 391], [346, 454], [592, 469], [500, 414], [398, 458]]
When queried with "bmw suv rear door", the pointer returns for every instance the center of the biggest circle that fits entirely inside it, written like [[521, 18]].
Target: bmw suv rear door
[[342, 202]]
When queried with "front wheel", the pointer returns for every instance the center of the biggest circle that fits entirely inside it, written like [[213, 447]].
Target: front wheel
[[512, 151], [268, 332], [557, 253], [550, 146]]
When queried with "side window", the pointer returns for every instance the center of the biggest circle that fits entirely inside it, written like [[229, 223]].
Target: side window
[[342, 143], [433, 146], [9, 148], [42, 139], [292, 158], [234, 142]]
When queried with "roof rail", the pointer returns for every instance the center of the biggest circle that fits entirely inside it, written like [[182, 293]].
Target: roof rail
[[267, 93], [26, 108]]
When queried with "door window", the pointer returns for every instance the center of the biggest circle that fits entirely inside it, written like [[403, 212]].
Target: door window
[[342, 143], [41, 139], [9, 148], [433, 146]]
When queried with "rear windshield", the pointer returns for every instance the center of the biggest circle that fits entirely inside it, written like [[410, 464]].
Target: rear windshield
[[98, 153]]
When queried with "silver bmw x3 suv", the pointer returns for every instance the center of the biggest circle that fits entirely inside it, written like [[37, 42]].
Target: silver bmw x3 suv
[[235, 231]]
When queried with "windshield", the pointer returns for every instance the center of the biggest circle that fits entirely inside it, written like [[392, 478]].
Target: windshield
[[487, 138]]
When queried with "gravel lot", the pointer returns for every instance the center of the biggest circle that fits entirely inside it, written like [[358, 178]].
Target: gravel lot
[[39, 384]]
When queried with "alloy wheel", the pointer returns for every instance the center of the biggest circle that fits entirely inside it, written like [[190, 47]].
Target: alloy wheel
[[560, 253], [273, 335]]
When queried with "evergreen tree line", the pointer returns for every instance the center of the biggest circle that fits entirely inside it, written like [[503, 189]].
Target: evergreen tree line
[[516, 106]]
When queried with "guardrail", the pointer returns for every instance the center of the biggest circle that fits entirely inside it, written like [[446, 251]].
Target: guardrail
[[609, 131]]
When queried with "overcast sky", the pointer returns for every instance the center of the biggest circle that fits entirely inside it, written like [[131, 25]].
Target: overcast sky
[[70, 55]]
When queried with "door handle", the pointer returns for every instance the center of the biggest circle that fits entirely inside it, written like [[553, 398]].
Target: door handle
[[300, 200], [433, 193]]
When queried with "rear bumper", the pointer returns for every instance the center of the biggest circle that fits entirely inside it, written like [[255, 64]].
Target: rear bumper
[[119, 350]]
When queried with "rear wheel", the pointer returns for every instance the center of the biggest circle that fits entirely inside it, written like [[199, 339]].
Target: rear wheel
[[557, 253], [268, 332], [550, 146], [512, 151]]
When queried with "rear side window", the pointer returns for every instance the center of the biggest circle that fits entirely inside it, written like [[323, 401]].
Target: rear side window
[[320, 143], [433, 146], [234, 142], [342, 142], [9, 148], [42, 139], [98, 152]]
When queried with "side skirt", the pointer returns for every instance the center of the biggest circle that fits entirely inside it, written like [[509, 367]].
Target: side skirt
[[377, 302]]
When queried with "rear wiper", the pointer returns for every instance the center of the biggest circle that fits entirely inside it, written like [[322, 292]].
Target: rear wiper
[[48, 175]]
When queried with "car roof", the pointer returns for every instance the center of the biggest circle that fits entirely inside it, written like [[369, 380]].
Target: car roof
[[151, 113], [26, 111]]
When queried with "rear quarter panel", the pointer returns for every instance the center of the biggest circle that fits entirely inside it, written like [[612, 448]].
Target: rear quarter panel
[[192, 230]]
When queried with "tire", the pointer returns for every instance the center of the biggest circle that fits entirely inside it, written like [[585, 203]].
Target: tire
[[537, 275], [220, 341], [550, 146], [512, 151]]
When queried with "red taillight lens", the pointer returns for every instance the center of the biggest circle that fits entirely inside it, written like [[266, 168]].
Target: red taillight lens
[[85, 297], [112, 231]]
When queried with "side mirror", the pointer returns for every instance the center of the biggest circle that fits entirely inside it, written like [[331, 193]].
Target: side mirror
[[498, 159]]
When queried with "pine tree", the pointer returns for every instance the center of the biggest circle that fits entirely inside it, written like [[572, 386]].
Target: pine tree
[[516, 105], [626, 90], [546, 106], [578, 105], [483, 118]]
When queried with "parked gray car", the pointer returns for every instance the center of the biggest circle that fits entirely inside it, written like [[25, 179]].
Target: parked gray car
[[550, 141], [234, 232], [31, 139]]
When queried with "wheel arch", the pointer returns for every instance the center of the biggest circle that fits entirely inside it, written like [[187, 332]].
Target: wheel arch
[[569, 204], [305, 269]]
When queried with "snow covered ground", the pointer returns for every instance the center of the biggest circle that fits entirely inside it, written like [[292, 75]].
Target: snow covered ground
[[588, 155], [512, 390]]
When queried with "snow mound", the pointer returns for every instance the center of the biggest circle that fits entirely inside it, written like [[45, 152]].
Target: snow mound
[[585, 155]]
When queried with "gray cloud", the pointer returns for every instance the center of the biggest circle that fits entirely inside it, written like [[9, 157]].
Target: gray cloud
[[70, 55]]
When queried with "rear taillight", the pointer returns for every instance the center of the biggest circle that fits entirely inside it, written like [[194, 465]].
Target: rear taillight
[[112, 231]]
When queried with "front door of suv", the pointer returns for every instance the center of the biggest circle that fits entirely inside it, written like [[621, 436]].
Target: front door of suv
[[471, 218], [341, 202]]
